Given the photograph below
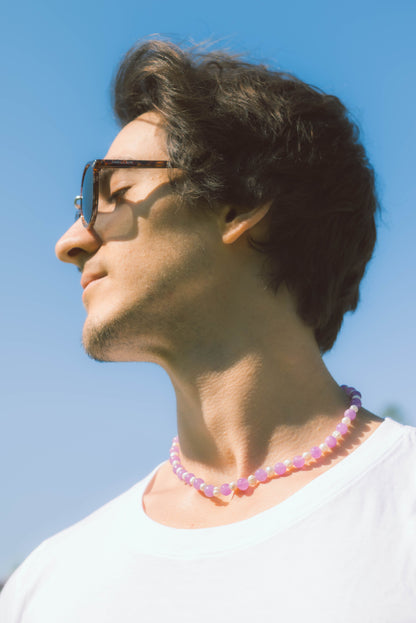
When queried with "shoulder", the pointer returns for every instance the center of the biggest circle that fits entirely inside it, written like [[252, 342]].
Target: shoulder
[[391, 448], [108, 525], [403, 437], [385, 468]]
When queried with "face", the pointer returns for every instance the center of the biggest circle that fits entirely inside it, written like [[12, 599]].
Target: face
[[148, 264]]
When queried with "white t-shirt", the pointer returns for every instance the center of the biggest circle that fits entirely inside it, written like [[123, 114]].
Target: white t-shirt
[[342, 549]]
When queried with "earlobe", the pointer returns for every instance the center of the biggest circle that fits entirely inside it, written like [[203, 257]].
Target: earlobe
[[235, 226]]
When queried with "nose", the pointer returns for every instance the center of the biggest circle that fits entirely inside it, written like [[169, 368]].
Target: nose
[[77, 244]]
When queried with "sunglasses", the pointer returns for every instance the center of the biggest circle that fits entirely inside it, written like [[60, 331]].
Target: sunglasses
[[87, 202]]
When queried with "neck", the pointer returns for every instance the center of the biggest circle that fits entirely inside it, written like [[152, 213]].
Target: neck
[[255, 404]]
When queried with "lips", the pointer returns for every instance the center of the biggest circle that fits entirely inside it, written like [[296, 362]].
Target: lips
[[88, 278]]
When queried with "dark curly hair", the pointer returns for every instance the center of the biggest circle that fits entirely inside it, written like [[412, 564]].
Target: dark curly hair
[[245, 135]]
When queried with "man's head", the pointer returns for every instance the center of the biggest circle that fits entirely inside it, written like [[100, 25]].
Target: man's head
[[241, 139], [151, 263]]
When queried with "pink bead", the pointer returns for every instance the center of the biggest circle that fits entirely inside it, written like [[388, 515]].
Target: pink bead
[[351, 414], [342, 428], [188, 477], [197, 483], [261, 475], [209, 491], [330, 441], [280, 469], [298, 461], [177, 468], [242, 484], [225, 489], [180, 471], [316, 452]]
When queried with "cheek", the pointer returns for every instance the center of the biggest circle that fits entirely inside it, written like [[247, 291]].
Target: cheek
[[121, 224], [169, 268]]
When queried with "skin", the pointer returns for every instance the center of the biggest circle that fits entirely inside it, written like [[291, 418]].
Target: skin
[[180, 286]]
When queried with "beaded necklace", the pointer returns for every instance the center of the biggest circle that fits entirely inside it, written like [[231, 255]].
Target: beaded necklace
[[263, 475]]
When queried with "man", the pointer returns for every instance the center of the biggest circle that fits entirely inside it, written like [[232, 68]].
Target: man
[[223, 237]]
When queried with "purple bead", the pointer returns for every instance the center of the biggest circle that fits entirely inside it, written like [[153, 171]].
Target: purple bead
[[225, 489], [197, 483], [316, 452], [280, 469], [261, 475], [188, 477], [356, 393], [242, 484], [209, 491], [330, 441], [356, 402], [298, 461], [342, 428], [351, 414]]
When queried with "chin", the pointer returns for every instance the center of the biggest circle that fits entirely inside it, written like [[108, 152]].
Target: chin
[[102, 340], [116, 339]]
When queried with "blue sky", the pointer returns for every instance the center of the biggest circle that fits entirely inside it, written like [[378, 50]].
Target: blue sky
[[75, 433]]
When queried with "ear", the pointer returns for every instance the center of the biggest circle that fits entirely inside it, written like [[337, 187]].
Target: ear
[[235, 226]]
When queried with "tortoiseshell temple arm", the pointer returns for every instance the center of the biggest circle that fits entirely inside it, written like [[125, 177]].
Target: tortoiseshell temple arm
[[145, 164]]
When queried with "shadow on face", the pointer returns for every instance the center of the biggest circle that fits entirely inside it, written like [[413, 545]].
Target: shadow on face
[[122, 223]]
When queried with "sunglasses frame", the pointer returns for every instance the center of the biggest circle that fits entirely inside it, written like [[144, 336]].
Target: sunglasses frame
[[99, 164]]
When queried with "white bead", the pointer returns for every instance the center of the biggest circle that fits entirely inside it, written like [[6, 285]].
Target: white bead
[[191, 481], [252, 480], [184, 474], [269, 471], [202, 487], [323, 447], [175, 463], [288, 463], [307, 456], [354, 408], [233, 485], [216, 490], [346, 420], [336, 434]]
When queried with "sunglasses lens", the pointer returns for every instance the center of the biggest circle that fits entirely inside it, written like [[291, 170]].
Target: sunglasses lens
[[87, 194]]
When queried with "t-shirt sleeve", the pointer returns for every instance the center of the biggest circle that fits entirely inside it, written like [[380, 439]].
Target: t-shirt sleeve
[[18, 589]]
